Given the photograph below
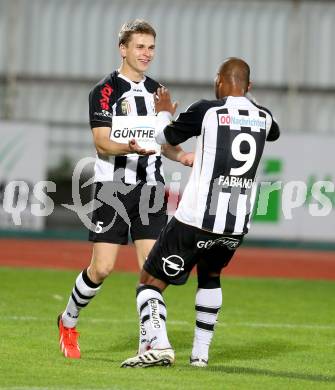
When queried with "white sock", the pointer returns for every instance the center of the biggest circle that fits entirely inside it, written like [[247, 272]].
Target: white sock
[[152, 313], [144, 342], [207, 305], [82, 293]]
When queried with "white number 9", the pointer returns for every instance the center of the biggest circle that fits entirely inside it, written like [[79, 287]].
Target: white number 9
[[249, 158]]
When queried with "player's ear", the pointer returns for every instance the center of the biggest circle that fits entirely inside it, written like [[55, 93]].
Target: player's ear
[[249, 86], [123, 50]]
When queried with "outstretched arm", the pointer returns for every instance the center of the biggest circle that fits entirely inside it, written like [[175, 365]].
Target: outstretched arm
[[176, 153], [187, 125]]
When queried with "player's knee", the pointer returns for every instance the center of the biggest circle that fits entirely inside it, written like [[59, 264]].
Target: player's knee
[[99, 272], [145, 277], [148, 280], [209, 280]]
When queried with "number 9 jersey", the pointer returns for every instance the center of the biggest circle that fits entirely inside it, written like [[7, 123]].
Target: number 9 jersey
[[231, 133]]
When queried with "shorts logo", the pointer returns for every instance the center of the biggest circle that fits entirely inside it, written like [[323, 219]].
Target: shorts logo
[[173, 265], [230, 243]]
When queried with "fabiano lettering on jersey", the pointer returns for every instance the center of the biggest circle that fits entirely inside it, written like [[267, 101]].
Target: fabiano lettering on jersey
[[234, 181]]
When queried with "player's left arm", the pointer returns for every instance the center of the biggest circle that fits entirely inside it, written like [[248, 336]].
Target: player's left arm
[[187, 125], [176, 153], [272, 127], [274, 131]]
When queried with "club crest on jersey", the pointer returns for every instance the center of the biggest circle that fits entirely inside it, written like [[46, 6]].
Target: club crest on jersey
[[125, 107], [173, 265], [152, 105]]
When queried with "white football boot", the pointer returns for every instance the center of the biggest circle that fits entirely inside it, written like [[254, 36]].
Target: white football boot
[[198, 362], [153, 357]]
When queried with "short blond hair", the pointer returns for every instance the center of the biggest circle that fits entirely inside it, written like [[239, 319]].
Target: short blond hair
[[137, 26]]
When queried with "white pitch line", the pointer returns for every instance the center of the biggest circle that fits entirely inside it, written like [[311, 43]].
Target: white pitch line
[[18, 318], [186, 323], [58, 297], [59, 388], [270, 325]]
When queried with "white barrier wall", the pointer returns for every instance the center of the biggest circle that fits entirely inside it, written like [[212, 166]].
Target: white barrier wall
[[23, 161], [301, 204]]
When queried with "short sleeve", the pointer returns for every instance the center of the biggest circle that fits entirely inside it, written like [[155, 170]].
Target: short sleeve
[[272, 130], [101, 100]]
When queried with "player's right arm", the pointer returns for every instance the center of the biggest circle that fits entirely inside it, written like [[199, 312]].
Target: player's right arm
[[105, 146]]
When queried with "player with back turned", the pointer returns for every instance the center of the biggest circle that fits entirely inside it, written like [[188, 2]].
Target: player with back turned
[[214, 213]]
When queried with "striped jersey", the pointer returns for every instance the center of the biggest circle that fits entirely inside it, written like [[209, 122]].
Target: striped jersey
[[116, 95], [221, 190]]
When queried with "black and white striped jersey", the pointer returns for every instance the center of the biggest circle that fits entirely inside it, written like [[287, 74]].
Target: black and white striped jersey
[[221, 190], [116, 95]]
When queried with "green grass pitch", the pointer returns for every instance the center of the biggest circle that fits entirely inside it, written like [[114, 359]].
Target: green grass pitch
[[271, 334]]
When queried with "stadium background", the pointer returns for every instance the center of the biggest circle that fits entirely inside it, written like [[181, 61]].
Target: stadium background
[[53, 51]]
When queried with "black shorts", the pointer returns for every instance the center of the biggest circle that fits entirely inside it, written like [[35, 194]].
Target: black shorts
[[180, 247], [120, 206]]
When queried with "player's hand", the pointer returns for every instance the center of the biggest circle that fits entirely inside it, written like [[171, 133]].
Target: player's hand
[[187, 159], [134, 147], [163, 101]]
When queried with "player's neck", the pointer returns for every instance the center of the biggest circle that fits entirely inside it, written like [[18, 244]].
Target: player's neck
[[232, 91], [130, 73]]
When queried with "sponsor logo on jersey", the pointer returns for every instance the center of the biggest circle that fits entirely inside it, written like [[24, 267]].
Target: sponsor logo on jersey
[[137, 90], [135, 132], [173, 265], [106, 92], [104, 113], [241, 120], [230, 243], [234, 181]]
